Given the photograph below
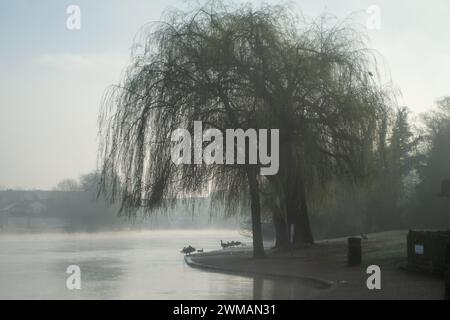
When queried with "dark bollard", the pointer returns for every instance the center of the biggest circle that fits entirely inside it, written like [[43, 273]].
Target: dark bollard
[[447, 272], [354, 251], [447, 284]]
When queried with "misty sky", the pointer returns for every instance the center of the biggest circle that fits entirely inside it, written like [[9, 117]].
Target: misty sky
[[52, 79]]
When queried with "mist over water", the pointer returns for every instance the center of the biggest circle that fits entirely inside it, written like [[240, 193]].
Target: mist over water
[[187, 123], [126, 265]]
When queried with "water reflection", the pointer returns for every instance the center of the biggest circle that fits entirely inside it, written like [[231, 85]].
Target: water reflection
[[282, 289], [258, 287], [100, 277]]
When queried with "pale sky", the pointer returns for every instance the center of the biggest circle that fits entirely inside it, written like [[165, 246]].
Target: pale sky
[[52, 79]]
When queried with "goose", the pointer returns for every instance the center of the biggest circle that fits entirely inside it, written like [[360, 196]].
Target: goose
[[188, 250], [223, 245]]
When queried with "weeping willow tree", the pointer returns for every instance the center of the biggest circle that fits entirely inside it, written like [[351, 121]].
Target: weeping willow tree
[[197, 66], [321, 87], [240, 67]]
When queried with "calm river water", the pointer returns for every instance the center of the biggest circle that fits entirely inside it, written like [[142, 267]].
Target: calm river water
[[126, 265]]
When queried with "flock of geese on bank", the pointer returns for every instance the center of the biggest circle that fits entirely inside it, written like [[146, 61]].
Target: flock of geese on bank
[[229, 244]]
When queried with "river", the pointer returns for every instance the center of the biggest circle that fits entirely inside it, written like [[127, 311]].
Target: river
[[126, 265]]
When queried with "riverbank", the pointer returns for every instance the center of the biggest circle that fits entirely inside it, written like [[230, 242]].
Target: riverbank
[[324, 267]]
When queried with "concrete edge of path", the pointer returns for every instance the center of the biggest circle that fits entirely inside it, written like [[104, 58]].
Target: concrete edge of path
[[312, 281]]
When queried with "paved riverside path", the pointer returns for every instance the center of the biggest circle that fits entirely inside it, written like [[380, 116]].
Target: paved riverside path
[[324, 267]]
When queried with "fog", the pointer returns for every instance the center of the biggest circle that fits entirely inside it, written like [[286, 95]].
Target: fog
[[48, 125], [358, 94], [81, 211]]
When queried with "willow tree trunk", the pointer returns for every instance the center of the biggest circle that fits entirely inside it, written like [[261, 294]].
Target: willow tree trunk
[[258, 246], [303, 234], [295, 195], [281, 234], [297, 212]]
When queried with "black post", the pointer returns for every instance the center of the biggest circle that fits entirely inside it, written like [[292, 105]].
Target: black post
[[354, 251], [447, 283], [447, 271]]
